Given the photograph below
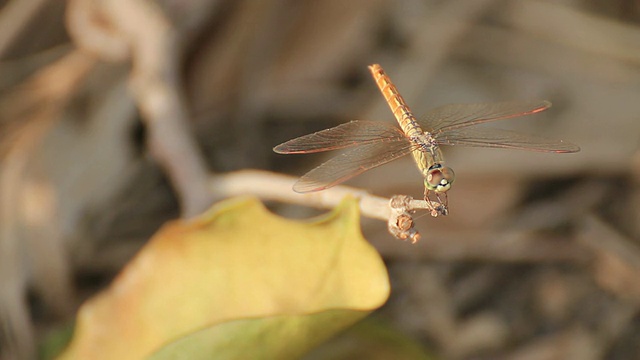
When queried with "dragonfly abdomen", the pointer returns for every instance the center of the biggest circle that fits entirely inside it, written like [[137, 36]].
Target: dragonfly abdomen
[[396, 102]]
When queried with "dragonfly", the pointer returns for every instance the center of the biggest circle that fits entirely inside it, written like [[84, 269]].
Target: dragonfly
[[370, 144]]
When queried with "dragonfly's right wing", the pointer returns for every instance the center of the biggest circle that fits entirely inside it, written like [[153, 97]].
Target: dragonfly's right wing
[[353, 162], [458, 116], [354, 133], [498, 138]]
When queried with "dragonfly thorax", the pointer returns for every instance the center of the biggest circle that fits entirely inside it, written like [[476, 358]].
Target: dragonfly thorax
[[425, 140], [439, 178]]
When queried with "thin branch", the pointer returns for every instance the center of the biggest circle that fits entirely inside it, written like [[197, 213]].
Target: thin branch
[[269, 186]]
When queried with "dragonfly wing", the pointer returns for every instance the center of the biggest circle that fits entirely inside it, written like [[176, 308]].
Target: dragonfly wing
[[351, 163], [498, 138], [457, 116], [354, 133]]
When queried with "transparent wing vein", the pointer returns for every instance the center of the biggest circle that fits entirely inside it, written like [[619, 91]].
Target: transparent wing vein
[[351, 163], [354, 133], [498, 138], [457, 116]]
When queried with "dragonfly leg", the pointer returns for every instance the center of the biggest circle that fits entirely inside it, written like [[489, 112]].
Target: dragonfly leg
[[441, 208]]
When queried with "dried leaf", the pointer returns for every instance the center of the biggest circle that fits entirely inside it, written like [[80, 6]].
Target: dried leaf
[[237, 279]]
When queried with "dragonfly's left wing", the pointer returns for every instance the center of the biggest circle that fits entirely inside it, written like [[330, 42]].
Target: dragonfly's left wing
[[498, 138], [353, 162], [457, 116], [353, 133]]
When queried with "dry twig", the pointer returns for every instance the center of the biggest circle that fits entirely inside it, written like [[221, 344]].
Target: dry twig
[[396, 211]]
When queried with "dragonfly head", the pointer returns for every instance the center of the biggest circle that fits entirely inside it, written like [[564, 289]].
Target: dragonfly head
[[439, 178]]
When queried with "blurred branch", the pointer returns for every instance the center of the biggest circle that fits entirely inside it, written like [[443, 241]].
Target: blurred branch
[[24, 211], [107, 28], [16, 337], [494, 246], [592, 33], [14, 17], [85, 27], [616, 263], [595, 230], [432, 45]]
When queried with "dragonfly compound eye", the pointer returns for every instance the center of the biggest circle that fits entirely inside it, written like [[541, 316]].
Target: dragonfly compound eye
[[439, 178]]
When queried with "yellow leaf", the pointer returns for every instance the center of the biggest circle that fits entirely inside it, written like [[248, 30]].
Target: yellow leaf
[[236, 270]]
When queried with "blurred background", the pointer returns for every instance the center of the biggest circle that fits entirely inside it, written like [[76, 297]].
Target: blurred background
[[113, 113]]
